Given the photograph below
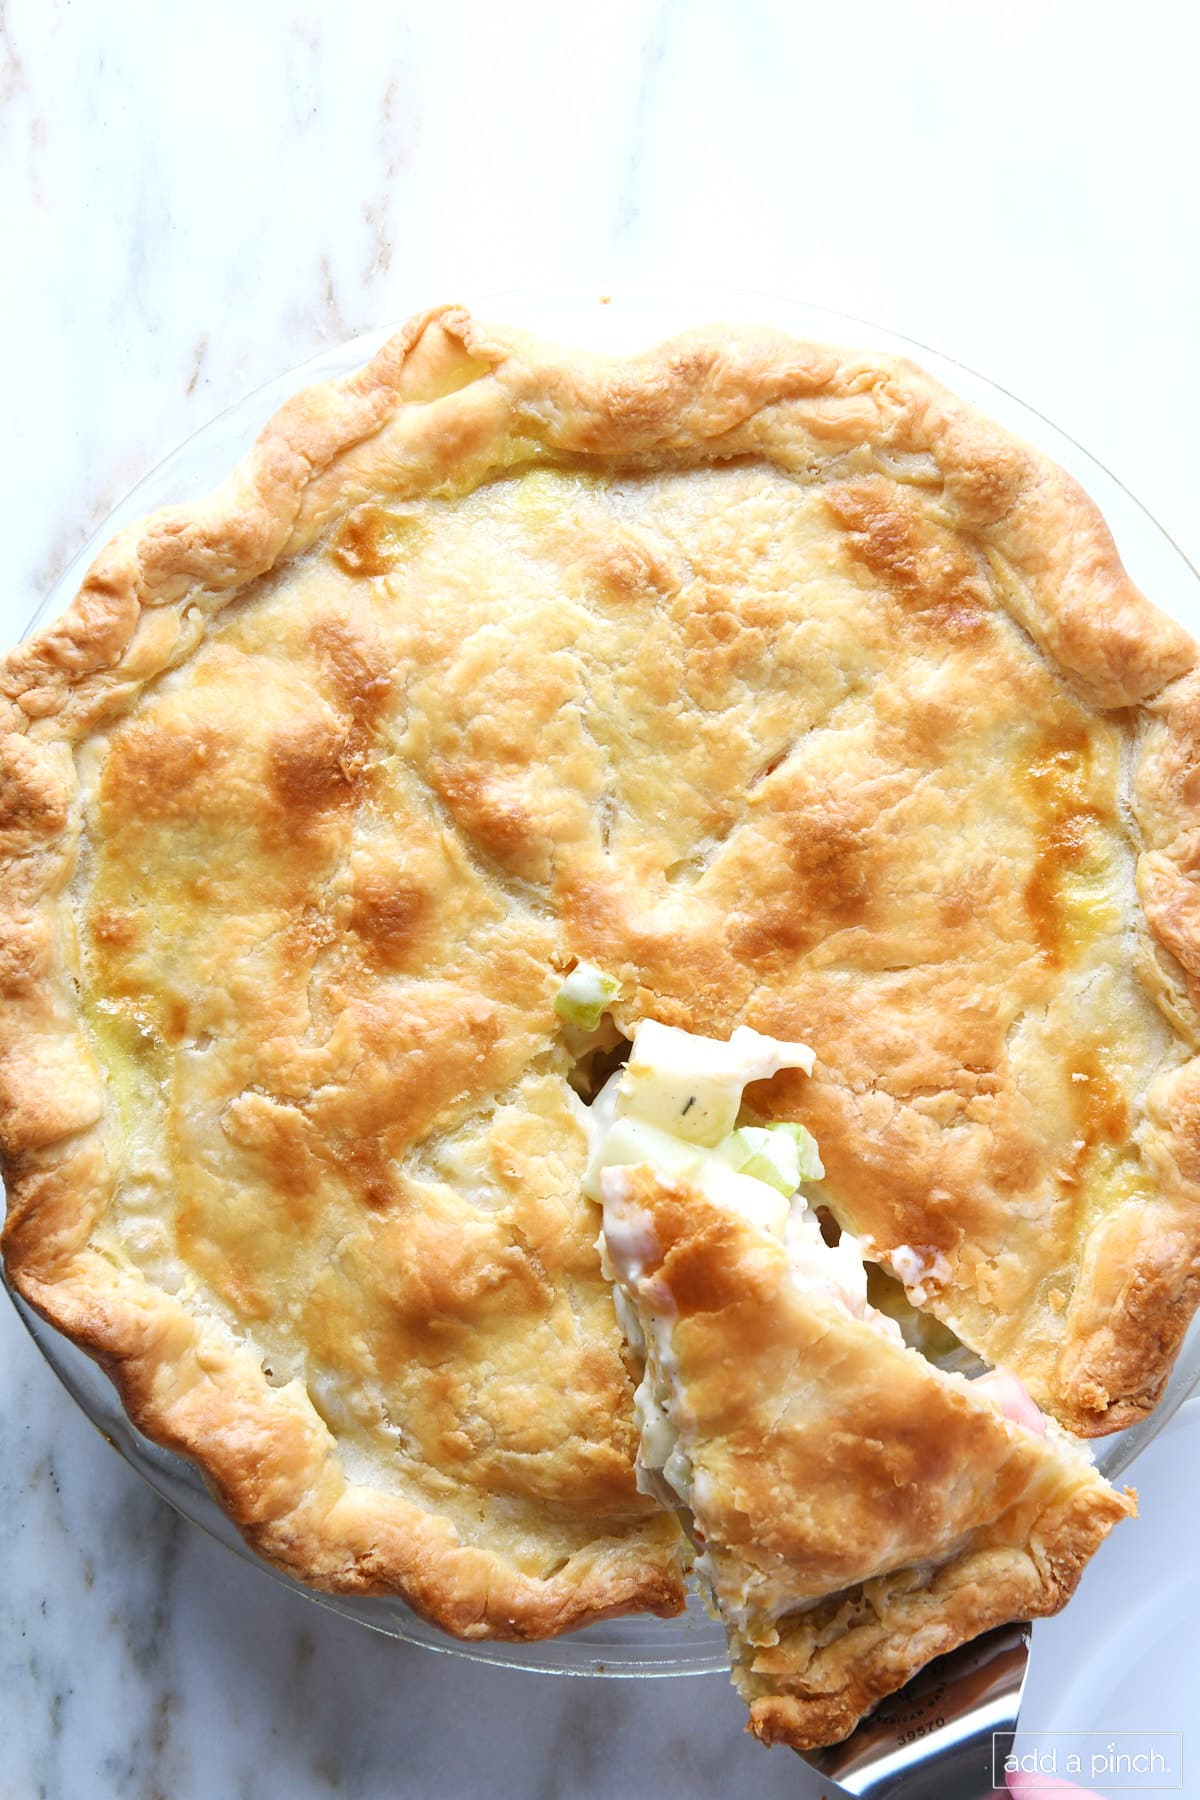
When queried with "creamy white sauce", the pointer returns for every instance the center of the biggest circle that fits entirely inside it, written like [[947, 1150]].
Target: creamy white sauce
[[691, 1086], [923, 1271], [628, 1243], [675, 1105]]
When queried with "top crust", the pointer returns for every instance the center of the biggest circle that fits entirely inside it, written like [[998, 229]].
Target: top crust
[[827, 603]]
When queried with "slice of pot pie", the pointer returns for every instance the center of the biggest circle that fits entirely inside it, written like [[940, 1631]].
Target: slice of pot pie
[[767, 678], [857, 1510]]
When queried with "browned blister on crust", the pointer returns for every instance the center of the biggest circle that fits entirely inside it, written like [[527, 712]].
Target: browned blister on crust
[[767, 676], [860, 1511]]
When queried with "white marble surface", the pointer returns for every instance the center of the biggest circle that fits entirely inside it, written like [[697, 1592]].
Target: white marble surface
[[195, 198]]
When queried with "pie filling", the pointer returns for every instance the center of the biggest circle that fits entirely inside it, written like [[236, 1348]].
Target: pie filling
[[677, 1106]]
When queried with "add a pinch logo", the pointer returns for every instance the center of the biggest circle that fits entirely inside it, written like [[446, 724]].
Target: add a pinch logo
[[1035, 1763]]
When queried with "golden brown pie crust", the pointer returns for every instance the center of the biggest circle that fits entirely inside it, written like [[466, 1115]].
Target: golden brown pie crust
[[767, 676], [862, 1512]]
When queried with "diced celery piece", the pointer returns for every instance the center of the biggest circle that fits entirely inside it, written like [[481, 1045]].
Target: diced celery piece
[[811, 1166], [781, 1155], [764, 1155], [584, 995]]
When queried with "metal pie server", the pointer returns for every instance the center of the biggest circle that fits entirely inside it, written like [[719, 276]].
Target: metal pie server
[[945, 1735]]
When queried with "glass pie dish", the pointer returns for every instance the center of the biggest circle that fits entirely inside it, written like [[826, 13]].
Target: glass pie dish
[[638, 1646]]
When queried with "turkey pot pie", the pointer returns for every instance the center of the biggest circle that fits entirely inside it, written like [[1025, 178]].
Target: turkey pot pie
[[765, 677]]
